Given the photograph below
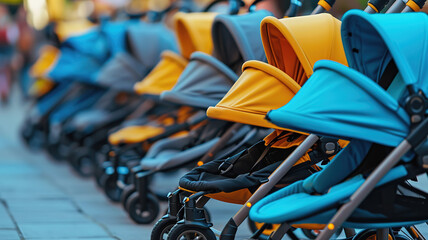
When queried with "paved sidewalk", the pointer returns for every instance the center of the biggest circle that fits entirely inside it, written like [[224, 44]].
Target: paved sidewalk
[[43, 199]]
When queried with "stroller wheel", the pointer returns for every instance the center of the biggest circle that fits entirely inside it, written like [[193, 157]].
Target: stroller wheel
[[161, 229], [370, 234], [83, 163], [111, 189], [255, 226], [127, 191], [190, 232], [142, 214]]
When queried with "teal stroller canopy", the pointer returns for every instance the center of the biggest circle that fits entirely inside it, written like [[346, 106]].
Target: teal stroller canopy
[[357, 106], [206, 79], [144, 42], [82, 56]]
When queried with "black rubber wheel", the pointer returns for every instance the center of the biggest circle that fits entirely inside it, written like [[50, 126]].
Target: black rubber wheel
[[186, 232], [127, 191], [368, 234], [139, 214], [161, 229], [111, 190], [83, 163], [100, 176]]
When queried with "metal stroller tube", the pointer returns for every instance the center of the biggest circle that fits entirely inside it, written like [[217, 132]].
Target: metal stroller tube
[[294, 7], [414, 6], [323, 6], [415, 138], [275, 177], [375, 6], [398, 6]]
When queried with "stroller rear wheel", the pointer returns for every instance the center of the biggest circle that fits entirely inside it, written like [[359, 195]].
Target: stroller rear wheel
[[111, 189], [127, 191], [190, 232], [142, 214], [162, 228]]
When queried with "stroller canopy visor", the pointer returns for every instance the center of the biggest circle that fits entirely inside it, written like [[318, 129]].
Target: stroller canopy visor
[[371, 41], [340, 102], [194, 32], [287, 48], [236, 38], [356, 106], [206, 78]]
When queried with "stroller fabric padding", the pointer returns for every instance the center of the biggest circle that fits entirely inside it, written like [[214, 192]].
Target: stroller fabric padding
[[370, 41], [203, 83], [248, 104], [194, 32], [164, 76], [236, 38]]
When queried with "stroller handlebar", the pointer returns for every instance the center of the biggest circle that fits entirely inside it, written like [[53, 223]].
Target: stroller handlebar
[[376, 5]]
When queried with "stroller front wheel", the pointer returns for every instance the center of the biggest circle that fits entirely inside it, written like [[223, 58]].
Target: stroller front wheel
[[111, 189], [142, 214], [190, 232], [127, 192], [162, 228]]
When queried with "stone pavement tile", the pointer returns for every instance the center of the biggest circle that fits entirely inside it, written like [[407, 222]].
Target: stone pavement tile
[[9, 234], [22, 217], [5, 220], [62, 230], [41, 205], [131, 231], [92, 238]]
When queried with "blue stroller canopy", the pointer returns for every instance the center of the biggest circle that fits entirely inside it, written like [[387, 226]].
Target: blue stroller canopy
[[372, 40], [341, 102], [82, 56], [206, 79]]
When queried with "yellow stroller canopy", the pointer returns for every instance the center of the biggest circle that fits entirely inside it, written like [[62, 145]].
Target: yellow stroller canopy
[[164, 76], [193, 31], [292, 46]]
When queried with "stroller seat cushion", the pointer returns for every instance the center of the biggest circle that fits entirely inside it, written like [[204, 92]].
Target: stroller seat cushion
[[291, 206], [89, 117], [169, 158], [134, 134]]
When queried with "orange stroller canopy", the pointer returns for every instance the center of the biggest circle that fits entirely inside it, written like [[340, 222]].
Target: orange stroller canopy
[[292, 46], [193, 31]]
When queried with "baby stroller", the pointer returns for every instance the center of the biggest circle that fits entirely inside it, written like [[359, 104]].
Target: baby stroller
[[134, 138], [85, 131], [229, 179], [72, 92], [205, 80], [384, 115]]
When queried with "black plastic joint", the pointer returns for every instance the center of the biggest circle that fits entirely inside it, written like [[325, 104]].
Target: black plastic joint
[[378, 4], [229, 231]]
